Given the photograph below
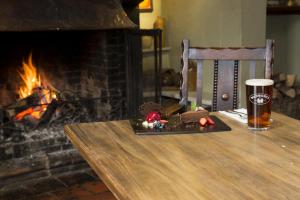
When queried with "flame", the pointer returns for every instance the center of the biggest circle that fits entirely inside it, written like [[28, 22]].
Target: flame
[[30, 78], [32, 83]]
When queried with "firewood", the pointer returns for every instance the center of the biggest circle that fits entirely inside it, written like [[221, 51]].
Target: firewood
[[287, 91], [290, 80], [297, 88], [279, 77], [48, 113], [278, 85], [276, 94], [282, 77], [23, 104]]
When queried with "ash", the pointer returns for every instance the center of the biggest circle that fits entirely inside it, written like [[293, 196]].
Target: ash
[[46, 133]]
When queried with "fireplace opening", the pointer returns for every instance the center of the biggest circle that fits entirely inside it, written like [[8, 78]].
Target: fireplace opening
[[49, 79]]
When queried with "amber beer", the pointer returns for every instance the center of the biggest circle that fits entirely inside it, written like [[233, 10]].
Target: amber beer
[[259, 101]]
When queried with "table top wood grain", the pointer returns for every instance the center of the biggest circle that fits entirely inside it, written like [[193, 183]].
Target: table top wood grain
[[238, 164]]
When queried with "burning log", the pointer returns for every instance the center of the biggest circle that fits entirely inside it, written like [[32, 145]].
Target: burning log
[[69, 109], [51, 108], [23, 104]]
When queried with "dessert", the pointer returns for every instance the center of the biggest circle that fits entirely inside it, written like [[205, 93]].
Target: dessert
[[153, 119]]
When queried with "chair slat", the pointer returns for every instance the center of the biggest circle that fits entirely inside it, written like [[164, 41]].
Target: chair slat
[[227, 54], [269, 59], [225, 85], [184, 73], [215, 85], [252, 69], [199, 82], [235, 83]]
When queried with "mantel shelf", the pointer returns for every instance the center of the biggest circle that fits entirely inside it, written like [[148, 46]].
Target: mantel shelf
[[283, 10]]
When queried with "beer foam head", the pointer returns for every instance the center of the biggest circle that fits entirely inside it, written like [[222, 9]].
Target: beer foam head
[[259, 82]]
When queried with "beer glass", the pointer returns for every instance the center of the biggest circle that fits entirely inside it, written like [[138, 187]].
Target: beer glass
[[259, 101]]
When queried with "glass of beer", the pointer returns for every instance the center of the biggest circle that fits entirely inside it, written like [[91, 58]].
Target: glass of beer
[[259, 101]]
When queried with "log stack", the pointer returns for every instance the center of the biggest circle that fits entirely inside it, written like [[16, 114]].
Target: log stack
[[286, 95], [284, 86]]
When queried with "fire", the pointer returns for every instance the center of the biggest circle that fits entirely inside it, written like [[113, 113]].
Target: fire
[[34, 85], [30, 78]]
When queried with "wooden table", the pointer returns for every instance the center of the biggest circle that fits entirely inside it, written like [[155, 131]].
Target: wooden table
[[225, 165]]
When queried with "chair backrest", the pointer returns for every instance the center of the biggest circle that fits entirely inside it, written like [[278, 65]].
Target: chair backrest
[[226, 65]]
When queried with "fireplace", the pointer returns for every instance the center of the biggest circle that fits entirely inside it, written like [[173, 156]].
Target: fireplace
[[80, 69]]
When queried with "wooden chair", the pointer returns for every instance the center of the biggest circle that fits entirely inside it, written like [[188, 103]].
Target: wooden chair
[[226, 65]]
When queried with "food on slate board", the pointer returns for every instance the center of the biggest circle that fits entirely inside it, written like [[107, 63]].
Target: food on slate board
[[154, 119], [206, 121]]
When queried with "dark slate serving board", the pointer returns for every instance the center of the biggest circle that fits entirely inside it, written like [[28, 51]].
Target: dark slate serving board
[[175, 127]]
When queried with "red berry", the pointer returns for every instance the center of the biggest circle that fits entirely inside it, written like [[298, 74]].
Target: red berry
[[152, 116]]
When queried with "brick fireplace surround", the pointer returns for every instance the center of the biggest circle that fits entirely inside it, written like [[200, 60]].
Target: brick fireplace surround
[[94, 64]]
